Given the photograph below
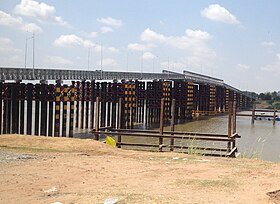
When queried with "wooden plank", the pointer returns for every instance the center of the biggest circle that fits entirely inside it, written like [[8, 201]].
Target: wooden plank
[[170, 132], [264, 110], [165, 136], [172, 123], [175, 146], [229, 124], [120, 118], [274, 117], [256, 115], [97, 110], [253, 115], [232, 152], [1, 106]]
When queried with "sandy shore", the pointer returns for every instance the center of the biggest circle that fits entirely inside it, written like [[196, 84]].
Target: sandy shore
[[45, 170]]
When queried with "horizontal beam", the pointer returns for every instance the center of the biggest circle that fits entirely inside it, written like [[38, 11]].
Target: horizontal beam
[[169, 132], [66, 74], [261, 116], [264, 110], [174, 146], [165, 136], [16, 74]]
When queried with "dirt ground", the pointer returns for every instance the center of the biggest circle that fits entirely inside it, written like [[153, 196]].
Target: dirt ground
[[47, 170]]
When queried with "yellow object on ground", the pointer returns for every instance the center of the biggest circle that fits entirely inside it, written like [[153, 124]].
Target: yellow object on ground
[[111, 141]]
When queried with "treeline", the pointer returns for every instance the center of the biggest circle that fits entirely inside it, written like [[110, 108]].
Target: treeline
[[269, 96], [272, 99]]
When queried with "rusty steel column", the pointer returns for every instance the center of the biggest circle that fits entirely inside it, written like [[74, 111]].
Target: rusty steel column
[[51, 99], [57, 109], [29, 108], [22, 97], [64, 110], [172, 124], [15, 108], [37, 107], [82, 105], [229, 125], [43, 109], [161, 123], [72, 107], [77, 104]]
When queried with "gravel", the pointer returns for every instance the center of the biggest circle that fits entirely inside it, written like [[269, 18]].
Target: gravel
[[8, 156]]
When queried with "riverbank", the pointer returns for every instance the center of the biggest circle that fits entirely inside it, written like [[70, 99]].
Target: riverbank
[[45, 170]]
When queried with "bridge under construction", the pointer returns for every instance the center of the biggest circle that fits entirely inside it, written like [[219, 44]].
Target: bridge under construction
[[126, 99]]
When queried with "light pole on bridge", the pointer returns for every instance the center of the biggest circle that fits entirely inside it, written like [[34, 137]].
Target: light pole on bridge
[[33, 54]]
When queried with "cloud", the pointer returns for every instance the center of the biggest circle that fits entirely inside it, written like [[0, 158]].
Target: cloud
[[112, 50], [139, 47], [72, 41], [111, 22], [17, 23], [191, 39], [273, 67], [93, 34], [106, 29], [148, 56], [151, 36], [109, 62], [57, 61], [194, 42], [97, 48], [242, 67], [9, 55], [267, 44], [41, 11], [215, 12]]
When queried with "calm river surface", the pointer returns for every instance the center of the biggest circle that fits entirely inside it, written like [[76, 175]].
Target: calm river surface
[[261, 140]]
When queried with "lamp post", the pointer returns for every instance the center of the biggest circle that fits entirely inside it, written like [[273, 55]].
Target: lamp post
[[101, 59], [33, 54]]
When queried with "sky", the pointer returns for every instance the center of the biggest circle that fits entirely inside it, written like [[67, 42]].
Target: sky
[[237, 41]]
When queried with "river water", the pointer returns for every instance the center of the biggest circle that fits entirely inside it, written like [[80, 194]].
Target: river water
[[258, 141], [261, 140]]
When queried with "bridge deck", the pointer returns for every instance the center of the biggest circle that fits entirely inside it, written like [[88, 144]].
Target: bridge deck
[[7, 73]]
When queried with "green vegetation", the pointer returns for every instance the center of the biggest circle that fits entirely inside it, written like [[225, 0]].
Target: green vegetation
[[269, 100]]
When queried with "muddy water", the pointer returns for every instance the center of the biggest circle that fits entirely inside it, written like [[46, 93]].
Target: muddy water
[[260, 141]]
